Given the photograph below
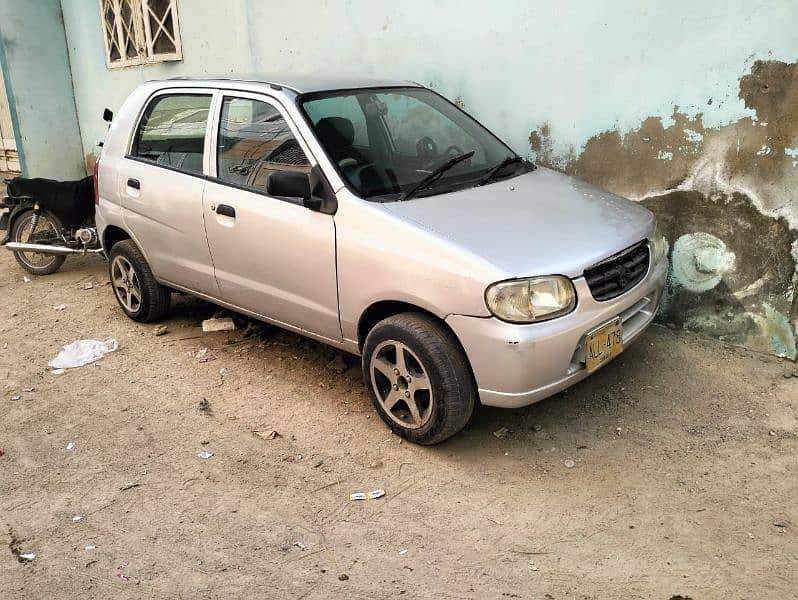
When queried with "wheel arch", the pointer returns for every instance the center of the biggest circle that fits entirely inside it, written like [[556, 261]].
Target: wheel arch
[[112, 235], [383, 309]]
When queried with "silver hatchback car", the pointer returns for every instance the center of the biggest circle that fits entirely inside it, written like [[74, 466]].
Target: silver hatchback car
[[381, 219]]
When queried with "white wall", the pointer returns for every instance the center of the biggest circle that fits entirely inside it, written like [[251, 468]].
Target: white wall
[[583, 66]]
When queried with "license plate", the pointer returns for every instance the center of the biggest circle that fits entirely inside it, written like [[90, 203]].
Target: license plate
[[603, 344]]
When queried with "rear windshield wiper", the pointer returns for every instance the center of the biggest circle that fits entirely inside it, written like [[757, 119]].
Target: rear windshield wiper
[[435, 174], [494, 170]]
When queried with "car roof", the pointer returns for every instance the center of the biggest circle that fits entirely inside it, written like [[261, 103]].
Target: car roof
[[299, 82]]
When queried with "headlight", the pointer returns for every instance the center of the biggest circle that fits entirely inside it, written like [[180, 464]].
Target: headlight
[[532, 299], [659, 245]]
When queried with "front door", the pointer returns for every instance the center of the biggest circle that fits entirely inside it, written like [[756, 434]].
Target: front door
[[272, 256], [161, 185]]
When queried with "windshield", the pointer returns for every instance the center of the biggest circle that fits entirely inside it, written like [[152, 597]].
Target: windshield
[[385, 142]]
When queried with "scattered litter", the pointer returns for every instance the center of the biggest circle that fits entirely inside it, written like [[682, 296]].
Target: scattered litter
[[778, 524], [367, 496], [120, 572], [618, 431], [501, 433], [16, 397], [204, 454], [57, 371], [2, 452], [214, 324], [27, 555], [70, 445], [28, 390], [343, 577], [338, 364], [205, 407], [82, 352], [569, 463], [89, 547], [532, 566], [318, 463], [129, 486], [89, 286], [402, 552], [771, 432], [272, 434], [77, 518], [27, 279], [59, 307], [160, 330], [300, 545], [377, 464], [202, 355]]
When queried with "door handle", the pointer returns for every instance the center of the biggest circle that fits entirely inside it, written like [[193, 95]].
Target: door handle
[[226, 211], [134, 183]]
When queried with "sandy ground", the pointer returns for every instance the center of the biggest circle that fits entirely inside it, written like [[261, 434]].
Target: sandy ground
[[684, 480]]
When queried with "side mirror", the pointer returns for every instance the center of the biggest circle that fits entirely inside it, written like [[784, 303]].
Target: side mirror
[[108, 115], [288, 184]]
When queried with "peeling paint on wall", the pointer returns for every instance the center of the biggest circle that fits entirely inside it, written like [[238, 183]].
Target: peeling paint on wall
[[726, 198]]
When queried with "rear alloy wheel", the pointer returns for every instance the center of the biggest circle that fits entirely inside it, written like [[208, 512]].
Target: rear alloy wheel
[[418, 378], [135, 287]]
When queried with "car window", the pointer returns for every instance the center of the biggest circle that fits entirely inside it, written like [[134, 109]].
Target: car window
[[386, 141], [254, 141], [172, 131]]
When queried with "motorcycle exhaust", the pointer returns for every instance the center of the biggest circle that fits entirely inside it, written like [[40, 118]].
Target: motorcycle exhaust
[[46, 249]]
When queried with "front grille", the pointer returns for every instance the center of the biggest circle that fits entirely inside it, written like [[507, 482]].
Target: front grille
[[618, 274]]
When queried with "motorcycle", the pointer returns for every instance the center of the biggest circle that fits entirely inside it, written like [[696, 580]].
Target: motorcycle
[[48, 220]]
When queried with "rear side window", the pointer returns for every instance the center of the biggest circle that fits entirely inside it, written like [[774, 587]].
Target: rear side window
[[254, 141], [172, 131]]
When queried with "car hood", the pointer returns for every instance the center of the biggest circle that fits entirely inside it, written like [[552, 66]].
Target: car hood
[[540, 223]]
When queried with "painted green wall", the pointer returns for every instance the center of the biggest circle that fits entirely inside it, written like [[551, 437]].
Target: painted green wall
[[37, 74]]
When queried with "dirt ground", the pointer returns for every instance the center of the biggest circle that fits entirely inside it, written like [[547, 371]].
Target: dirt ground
[[684, 480]]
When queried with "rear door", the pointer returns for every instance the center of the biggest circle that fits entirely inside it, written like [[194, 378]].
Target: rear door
[[272, 256], [161, 185]]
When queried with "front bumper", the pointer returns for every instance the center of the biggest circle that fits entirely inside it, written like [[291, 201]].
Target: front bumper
[[516, 365]]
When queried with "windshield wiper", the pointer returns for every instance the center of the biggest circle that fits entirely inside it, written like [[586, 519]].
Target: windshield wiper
[[494, 170], [435, 174]]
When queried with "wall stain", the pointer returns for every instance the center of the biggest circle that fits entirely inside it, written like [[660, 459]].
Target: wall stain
[[735, 183]]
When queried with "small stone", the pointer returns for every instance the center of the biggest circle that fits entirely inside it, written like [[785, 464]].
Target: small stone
[[771, 433], [501, 433], [569, 463], [537, 427], [343, 577], [216, 324], [160, 330]]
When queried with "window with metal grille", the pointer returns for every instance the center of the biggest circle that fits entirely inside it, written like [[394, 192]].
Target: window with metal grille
[[140, 31]]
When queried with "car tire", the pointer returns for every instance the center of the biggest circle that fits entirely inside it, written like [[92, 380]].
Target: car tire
[[429, 394], [139, 295], [53, 262]]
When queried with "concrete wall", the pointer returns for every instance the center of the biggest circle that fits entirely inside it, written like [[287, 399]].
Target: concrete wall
[[664, 102], [35, 65]]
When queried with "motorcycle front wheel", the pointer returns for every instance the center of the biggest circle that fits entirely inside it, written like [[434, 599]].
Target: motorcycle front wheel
[[46, 231]]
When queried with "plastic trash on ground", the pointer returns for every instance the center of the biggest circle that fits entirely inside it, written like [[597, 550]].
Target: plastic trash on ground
[[367, 496], [82, 352]]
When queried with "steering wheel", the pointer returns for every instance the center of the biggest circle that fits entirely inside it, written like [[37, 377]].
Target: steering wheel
[[426, 149]]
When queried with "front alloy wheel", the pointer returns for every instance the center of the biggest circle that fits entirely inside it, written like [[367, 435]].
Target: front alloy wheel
[[418, 377], [400, 382]]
